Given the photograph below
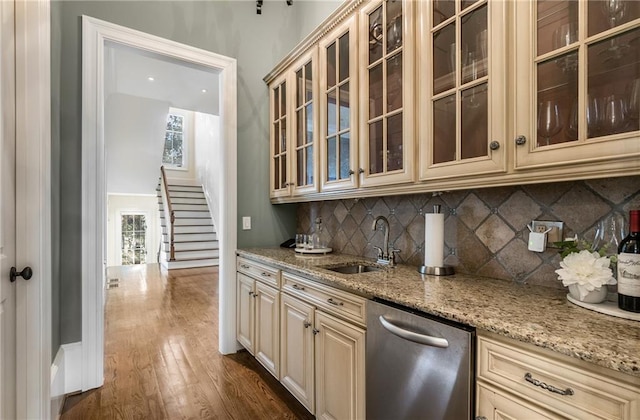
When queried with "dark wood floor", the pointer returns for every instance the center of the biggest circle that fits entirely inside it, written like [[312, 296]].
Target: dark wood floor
[[162, 360]]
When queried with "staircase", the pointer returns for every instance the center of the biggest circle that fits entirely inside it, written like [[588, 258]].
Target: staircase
[[195, 240]]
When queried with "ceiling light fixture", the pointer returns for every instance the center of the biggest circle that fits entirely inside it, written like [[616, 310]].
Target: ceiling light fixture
[[150, 78], [259, 5], [204, 90]]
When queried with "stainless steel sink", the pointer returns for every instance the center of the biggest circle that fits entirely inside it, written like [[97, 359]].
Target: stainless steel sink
[[354, 268]]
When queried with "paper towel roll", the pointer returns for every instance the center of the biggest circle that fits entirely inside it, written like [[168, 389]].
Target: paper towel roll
[[434, 240]]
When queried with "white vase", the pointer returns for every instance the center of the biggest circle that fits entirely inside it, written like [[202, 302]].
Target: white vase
[[595, 296]]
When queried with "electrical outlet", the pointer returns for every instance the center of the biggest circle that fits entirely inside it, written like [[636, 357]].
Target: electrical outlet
[[554, 235]]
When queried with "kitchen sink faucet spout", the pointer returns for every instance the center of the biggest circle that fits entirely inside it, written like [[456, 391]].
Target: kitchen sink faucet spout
[[386, 255]]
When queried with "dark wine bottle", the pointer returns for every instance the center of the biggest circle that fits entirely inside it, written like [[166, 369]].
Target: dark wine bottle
[[629, 266]]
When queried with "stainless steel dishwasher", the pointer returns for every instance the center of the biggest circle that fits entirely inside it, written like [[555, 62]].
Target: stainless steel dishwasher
[[418, 366]]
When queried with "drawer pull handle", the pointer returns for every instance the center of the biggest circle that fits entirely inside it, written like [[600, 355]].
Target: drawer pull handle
[[295, 286], [334, 302], [245, 266], [306, 324], [263, 274], [551, 388]]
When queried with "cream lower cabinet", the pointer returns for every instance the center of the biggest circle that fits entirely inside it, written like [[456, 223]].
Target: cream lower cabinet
[[258, 312], [520, 381], [323, 348]]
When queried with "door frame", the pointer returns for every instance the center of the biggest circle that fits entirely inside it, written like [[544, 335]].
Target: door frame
[[95, 33], [33, 207]]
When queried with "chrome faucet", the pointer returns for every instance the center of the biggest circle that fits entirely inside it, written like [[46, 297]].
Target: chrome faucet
[[386, 255]]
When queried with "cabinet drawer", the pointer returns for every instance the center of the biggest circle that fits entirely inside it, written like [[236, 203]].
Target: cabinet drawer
[[541, 378], [258, 271], [342, 304]]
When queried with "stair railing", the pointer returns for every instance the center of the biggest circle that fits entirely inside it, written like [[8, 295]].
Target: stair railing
[[169, 214]]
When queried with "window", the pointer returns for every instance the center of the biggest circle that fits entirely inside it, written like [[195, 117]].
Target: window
[[173, 141], [134, 238]]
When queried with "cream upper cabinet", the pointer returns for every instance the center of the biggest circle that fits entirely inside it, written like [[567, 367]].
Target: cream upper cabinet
[[339, 107], [462, 103], [386, 63], [279, 134], [294, 128], [577, 78]]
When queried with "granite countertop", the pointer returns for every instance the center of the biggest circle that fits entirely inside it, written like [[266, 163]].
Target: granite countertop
[[531, 314]]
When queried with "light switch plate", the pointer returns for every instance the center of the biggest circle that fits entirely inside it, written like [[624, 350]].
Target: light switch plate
[[554, 235], [246, 222]]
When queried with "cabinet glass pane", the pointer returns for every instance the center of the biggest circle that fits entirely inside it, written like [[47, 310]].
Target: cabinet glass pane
[[300, 169], [331, 65], [343, 63], [375, 35], [557, 24], [606, 14], [331, 159], [443, 10], [394, 25], [283, 135], [444, 129], [474, 41], [344, 156], [308, 74], [466, 3], [557, 92], [283, 171], [375, 91], [299, 88], [345, 111], [444, 59], [300, 127], [276, 142], [376, 162], [474, 117], [394, 142], [331, 112], [309, 165], [613, 85], [394, 82], [309, 123], [283, 99], [276, 102]]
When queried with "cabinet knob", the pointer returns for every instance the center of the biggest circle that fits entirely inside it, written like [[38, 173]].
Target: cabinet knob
[[351, 172], [306, 324], [360, 170], [315, 331], [520, 140], [494, 145]]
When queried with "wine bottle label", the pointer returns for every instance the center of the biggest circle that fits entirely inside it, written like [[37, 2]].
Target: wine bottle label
[[629, 274]]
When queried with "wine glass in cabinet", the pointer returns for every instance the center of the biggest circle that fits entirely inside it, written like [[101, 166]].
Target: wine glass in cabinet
[[583, 57], [462, 105], [386, 63]]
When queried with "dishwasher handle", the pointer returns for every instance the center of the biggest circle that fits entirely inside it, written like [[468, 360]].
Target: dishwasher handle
[[427, 340]]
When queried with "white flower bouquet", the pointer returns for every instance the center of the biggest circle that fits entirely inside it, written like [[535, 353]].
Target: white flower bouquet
[[587, 270]]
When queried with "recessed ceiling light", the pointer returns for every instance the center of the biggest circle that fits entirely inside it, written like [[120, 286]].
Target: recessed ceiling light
[[204, 90], [151, 78]]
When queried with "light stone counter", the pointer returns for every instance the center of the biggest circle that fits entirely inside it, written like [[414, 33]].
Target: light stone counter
[[531, 314]]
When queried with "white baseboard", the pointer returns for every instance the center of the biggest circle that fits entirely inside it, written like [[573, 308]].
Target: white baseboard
[[66, 375], [72, 367]]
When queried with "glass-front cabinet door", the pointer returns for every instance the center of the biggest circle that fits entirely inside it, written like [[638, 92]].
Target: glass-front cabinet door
[[304, 152], [578, 82], [279, 137], [386, 92], [338, 107], [462, 105]]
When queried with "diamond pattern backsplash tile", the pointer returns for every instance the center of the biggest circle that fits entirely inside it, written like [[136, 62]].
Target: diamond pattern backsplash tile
[[485, 229]]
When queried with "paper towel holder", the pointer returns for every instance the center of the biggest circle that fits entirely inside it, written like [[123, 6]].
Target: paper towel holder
[[445, 270]]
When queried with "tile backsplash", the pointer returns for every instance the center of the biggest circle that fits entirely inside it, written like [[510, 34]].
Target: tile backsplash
[[485, 229]]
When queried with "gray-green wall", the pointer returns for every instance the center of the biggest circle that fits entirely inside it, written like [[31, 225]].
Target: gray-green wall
[[230, 28]]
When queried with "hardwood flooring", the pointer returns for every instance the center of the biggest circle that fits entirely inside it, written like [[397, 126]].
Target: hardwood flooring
[[162, 360]]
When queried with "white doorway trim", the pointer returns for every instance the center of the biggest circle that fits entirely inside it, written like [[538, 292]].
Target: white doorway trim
[[33, 207], [95, 33]]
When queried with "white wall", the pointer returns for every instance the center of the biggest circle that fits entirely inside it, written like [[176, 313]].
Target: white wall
[[118, 204], [207, 144], [188, 171], [134, 138]]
